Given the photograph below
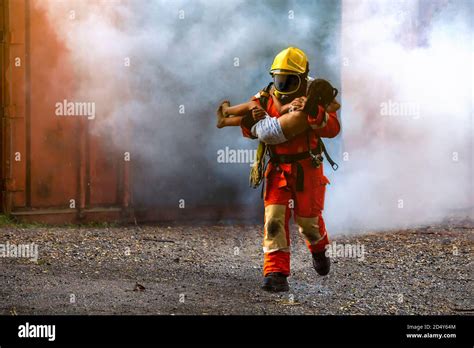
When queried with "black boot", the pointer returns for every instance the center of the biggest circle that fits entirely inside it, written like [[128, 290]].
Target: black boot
[[275, 282], [321, 263]]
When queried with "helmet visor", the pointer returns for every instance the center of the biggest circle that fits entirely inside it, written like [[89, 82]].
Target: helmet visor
[[286, 83]]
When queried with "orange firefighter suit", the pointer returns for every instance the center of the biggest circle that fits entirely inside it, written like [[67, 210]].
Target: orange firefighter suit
[[298, 186]]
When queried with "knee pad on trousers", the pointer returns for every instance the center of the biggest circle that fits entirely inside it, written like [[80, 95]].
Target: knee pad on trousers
[[309, 228], [275, 233]]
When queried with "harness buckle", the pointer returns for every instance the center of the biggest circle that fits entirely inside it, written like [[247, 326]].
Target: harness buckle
[[316, 160]]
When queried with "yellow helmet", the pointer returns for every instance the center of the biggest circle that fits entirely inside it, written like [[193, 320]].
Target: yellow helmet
[[290, 60]]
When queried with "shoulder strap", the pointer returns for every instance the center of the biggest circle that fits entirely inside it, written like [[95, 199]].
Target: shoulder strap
[[333, 164], [265, 95]]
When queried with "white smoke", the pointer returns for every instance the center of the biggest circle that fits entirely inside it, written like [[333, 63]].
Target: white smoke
[[182, 53], [411, 165]]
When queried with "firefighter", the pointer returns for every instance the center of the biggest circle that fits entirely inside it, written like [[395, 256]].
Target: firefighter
[[293, 118], [294, 178]]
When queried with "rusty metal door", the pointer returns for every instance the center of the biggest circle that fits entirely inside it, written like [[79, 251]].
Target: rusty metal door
[[53, 169]]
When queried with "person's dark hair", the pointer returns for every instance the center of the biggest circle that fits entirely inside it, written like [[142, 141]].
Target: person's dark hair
[[320, 92]]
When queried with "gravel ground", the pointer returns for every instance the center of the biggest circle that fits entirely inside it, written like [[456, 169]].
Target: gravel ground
[[217, 270]]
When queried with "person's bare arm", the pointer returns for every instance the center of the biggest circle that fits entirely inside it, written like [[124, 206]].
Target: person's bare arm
[[333, 107], [296, 121], [293, 123], [285, 109]]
